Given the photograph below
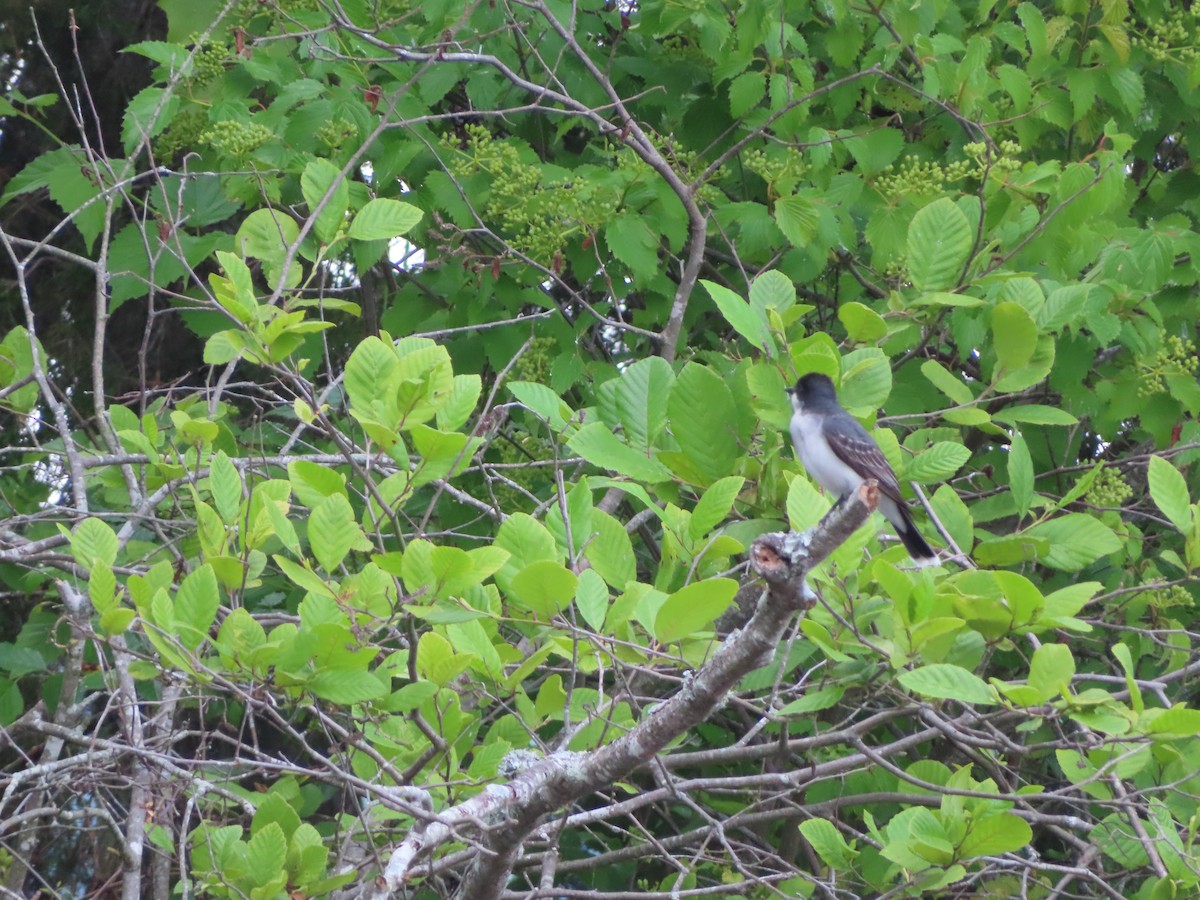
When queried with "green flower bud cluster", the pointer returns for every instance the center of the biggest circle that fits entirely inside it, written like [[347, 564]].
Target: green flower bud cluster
[[208, 62], [1161, 598], [236, 138], [182, 134], [537, 218], [780, 172], [535, 362], [1172, 39], [915, 176], [1109, 489], [334, 132], [1177, 356], [680, 48], [685, 162]]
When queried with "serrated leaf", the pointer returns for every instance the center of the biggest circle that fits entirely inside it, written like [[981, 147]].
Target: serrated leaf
[[747, 321], [591, 599], [633, 243], [1000, 833], [266, 854], [225, 482], [772, 290], [702, 417], [828, 842], [93, 542], [798, 219], [1015, 335], [1035, 414], [862, 323], [1074, 541], [1169, 491], [610, 551], [333, 532], [942, 379], [319, 176], [346, 686], [636, 400], [692, 608], [746, 92], [939, 241], [546, 587], [599, 446], [937, 463], [948, 682], [1020, 473], [384, 219], [196, 606], [1051, 671], [715, 505]]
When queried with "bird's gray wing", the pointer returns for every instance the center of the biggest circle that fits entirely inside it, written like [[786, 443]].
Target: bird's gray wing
[[853, 446]]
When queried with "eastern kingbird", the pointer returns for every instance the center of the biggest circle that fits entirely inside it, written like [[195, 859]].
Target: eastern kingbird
[[837, 451]]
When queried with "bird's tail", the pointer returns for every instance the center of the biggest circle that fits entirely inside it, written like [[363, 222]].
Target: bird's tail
[[914, 542]]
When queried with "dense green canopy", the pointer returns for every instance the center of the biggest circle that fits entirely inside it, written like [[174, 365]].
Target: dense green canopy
[[394, 393]]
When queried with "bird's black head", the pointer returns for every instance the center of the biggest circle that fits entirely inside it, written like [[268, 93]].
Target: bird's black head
[[813, 386]]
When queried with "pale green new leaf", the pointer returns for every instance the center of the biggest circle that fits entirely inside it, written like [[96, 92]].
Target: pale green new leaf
[[599, 446], [318, 177], [384, 219], [939, 241], [1020, 473], [692, 608], [948, 682], [746, 320], [1169, 491], [333, 532]]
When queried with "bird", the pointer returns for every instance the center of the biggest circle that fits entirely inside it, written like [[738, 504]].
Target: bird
[[840, 455]]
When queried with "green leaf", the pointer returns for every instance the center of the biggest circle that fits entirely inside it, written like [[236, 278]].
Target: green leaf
[[828, 842], [1169, 491], [1020, 473], [633, 243], [702, 416], [266, 854], [939, 241], [1000, 833], [636, 400], [1015, 335], [599, 446], [746, 92], [937, 463], [948, 682], [93, 542], [948, 384], [715, 505], [1178, 721], [747, 321], [862, 323], [591, 599], [196, 606], [692, 608], [772, 290], [319, 176], [1034, 414], [346, 686], [798, 219], [333, 532], [226, 485], [1051, 671], [546, 587], [312, 483], [384, 219], [610, 551], [1074, 541], [147, 114]]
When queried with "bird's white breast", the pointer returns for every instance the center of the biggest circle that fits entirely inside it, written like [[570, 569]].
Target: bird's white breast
[[818, 459]]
